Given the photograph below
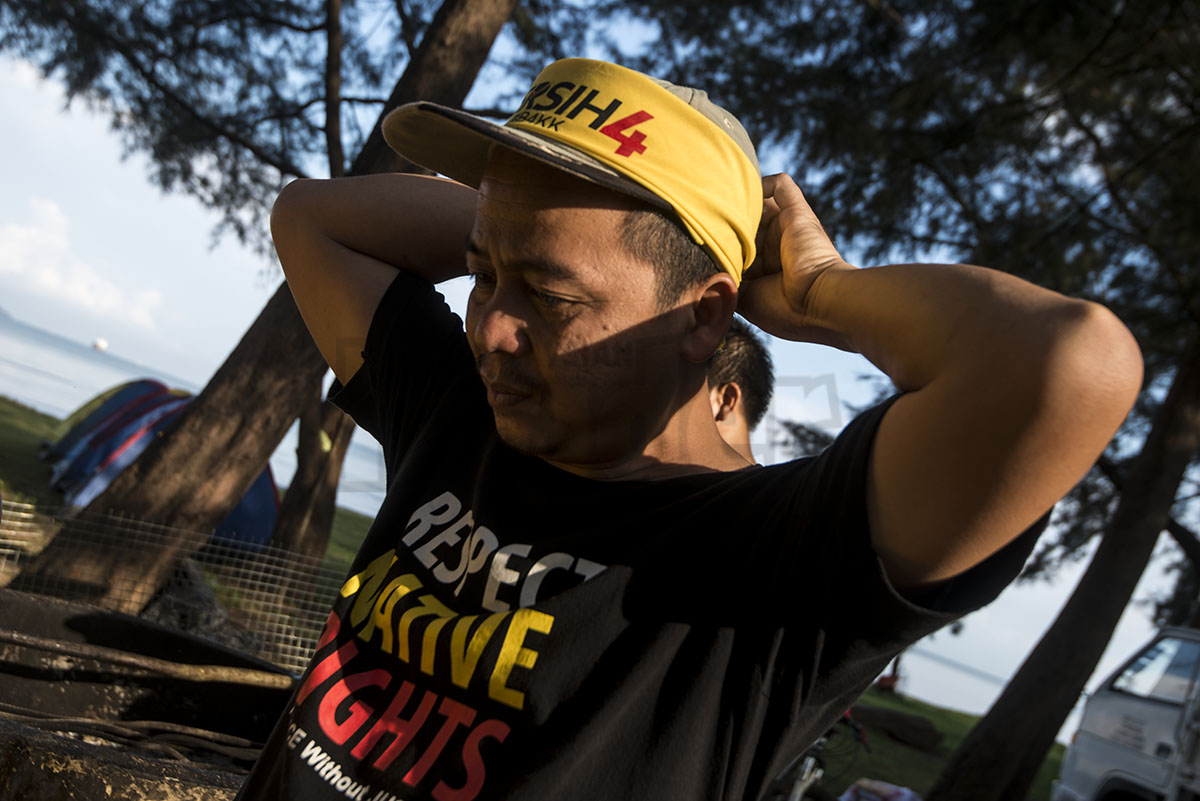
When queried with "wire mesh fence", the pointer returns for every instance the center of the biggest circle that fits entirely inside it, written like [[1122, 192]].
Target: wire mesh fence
[[261, 600]]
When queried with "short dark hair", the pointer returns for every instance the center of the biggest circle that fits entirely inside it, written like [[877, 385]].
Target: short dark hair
[[744, 360], [680, 263]]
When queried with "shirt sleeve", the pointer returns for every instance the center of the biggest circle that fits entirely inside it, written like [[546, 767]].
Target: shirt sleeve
[[415, 353], [866, 601]]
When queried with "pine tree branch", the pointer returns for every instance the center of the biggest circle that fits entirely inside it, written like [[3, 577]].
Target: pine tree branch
[[494, 113], [292, 113], [1187, 540], [283, 165], [1091, 55], [333, 88], [198, 26], [941, 241], [1082, 208], [297, 111], [1162, 145], [890, 14], [1114, 191], [264, 20], [1143, 229], [406, 28], [966, 209]]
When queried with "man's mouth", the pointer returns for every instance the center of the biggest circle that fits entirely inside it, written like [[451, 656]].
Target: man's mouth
[[500, 394], [503, 388]]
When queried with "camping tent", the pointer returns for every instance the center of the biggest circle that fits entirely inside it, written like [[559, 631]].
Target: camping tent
[[110, 431]]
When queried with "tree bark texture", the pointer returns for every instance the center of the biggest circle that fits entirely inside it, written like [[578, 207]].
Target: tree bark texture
[[304, 522], [334, 44], [1184, 537], [305, 519], [306, 514], [191, 478], [998, 759], [187, 481], [442, 70]]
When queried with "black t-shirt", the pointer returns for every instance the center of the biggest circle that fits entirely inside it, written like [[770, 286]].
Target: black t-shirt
[[513, 631]]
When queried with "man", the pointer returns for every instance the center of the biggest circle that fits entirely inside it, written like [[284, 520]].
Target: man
[[575, 588], [740, 383]]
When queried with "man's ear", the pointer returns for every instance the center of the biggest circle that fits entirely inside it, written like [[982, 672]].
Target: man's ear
[[712, 309], [725, 400]]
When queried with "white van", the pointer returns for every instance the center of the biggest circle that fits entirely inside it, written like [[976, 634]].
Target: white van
[[1140, 735]]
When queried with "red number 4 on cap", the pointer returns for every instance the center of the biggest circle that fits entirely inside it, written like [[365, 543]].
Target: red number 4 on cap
[[633, 142]]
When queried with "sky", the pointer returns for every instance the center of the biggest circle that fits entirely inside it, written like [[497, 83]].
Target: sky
[[90, 249]]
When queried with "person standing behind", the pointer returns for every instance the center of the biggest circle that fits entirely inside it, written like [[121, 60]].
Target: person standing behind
[[741, 379]]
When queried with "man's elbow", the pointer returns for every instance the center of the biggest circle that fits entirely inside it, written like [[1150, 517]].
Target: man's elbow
[[1100, 365], [291, 219], [290, 201]]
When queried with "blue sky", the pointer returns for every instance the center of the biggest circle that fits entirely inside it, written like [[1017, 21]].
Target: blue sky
[[89, 249]]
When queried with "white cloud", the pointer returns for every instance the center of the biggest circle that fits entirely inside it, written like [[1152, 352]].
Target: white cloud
[[40, 257], [23, 74]]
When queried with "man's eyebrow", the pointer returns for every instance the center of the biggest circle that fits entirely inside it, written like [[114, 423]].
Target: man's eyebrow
[[473, 248], [542, 267]]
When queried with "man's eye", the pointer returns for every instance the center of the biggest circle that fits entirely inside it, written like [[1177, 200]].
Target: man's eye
[[549, 301], [482, 279]]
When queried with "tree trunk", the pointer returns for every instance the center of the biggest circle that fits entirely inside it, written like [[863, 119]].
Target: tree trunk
[[334, 44], [1184, 537], [449, 57], [999, 758], [305, 519], [304, 523], [188, 481], [306, 515]]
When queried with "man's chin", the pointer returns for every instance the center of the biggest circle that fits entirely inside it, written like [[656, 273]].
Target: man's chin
[[553, 446], [521, 436]]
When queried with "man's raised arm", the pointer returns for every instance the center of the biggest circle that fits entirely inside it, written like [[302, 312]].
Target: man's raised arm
[[341, 242], [1011, 391]]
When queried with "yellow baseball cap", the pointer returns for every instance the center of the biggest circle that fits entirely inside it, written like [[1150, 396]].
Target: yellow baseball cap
[[665, 144]]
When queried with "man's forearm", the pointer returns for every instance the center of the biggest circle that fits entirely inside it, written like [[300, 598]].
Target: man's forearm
[[341, 242], [919, 322], [1012, 391], [411, 222]]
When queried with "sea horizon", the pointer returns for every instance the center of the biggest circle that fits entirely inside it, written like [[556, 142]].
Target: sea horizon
[[55, 375]]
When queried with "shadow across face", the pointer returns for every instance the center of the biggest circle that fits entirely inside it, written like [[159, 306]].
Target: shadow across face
[[582, 364], [596, 403]]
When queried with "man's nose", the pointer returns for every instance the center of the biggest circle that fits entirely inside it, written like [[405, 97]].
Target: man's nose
[[499, 329]]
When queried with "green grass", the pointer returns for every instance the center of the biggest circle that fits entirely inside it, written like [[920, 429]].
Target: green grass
[[23, 476], [349, 530], [902, 765]]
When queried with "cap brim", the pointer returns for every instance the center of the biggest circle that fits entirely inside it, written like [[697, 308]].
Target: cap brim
[[456, 144]]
